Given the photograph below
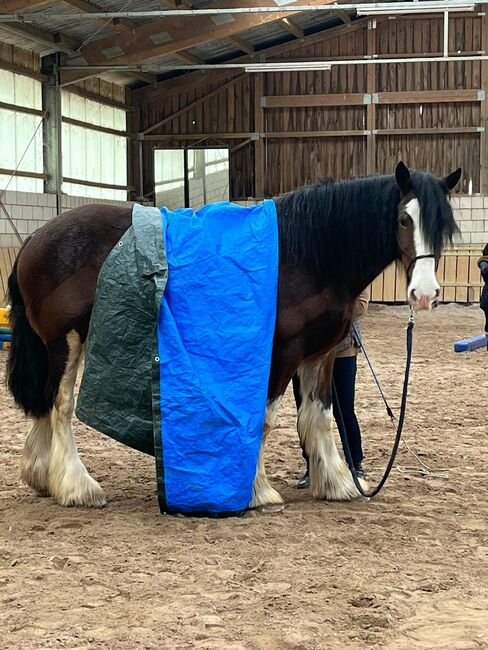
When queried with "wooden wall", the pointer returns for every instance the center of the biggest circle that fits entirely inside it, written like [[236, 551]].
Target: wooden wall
[[349, 121]]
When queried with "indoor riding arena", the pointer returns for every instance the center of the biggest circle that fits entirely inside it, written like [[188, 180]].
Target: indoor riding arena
[[115, 115]]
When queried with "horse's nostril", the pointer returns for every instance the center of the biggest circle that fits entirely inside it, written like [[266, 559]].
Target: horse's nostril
[[437, 293]]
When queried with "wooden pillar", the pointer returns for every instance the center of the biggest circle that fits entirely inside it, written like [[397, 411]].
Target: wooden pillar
[[52, 129], [484, 110], [259, 162], [371, 108]]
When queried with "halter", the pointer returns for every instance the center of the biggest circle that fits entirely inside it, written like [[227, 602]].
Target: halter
[[412, 258]]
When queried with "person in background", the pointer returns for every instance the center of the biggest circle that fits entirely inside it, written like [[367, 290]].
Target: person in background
[[483, 266], [344, 377]]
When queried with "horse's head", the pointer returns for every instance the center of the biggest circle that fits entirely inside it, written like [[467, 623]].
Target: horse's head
[[425, 224]]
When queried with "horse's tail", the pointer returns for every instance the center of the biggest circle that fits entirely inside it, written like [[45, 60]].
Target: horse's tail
[[28, 362]]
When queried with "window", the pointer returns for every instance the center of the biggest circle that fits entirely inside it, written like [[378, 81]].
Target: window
[[16, 130], [92, 155], [206, 181]]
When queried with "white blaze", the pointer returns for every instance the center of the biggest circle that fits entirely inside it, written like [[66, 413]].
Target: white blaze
[[423, 283]]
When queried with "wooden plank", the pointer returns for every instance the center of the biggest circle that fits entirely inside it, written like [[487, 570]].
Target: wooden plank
[[315, 134], [168, 137], [24, 174], [240, 44], [449, 285], [291, 27], [429, 96], [430, 130], [389, 281], [108, 186], [305, 101], [377, 289], [23, 109], [462, 274], [94, 127], [400, 283]]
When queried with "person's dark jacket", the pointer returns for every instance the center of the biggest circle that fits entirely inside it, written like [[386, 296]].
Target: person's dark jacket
[[483, 266]]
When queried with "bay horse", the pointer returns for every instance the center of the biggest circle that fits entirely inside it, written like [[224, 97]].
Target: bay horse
[[334, 239]]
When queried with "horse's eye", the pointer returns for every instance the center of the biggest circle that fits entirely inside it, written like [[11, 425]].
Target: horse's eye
[[403, 221]]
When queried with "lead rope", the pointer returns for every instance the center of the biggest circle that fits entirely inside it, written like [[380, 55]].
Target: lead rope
[[401, 419]]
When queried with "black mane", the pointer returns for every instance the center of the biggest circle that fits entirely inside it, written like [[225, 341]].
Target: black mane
[[341, 230]]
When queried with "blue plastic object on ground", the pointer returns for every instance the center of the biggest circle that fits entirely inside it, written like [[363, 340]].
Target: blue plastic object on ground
[[470, 344]]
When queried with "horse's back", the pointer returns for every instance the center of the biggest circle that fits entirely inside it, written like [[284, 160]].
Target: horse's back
[[58, 266]]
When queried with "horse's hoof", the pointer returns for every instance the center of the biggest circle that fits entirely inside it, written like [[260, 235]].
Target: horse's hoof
[[271, 507], [35, 476], [86, 492], [266, 495]]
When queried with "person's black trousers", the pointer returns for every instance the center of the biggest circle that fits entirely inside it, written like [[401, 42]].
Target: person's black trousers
[[344, 376]]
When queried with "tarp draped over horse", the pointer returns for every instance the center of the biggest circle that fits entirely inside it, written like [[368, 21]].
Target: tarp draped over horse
[[179, 349]]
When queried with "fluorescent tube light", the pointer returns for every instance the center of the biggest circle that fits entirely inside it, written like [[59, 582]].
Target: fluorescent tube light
[[288, 67]]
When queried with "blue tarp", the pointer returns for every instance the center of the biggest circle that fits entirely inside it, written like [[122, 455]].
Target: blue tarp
[[215, 334]]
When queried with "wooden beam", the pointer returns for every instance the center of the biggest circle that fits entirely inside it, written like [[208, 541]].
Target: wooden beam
[[444, 130], [119, 24], [183, 34], [146, 77], [165, 137], [108, 186], [259, 127], [94, 127], [292, 28], [270, 135], [169, 137], [430, 96], [241, 145], [21, 109], [24, 174], [193, 104], [315, 134], [303, 101], [240, 44], [186, 57], [56, 42], [344, 16]]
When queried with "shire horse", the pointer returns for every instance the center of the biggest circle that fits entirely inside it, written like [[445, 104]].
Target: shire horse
[[334, 239]]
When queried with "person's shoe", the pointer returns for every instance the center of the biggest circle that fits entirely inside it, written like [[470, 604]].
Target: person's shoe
[[304, 482], [360, 471]]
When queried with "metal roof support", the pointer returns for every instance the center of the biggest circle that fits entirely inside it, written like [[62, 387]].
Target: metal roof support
[[364, 9]]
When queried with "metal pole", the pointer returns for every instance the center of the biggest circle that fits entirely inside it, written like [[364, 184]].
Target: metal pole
[[53, 147], [390, 8], [446, 33], [289, 66]]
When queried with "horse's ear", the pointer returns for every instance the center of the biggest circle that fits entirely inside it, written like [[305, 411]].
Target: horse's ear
[[402, 177], [452, 180]]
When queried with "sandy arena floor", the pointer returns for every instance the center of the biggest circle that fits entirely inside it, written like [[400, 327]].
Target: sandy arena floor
[[407, 570]]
